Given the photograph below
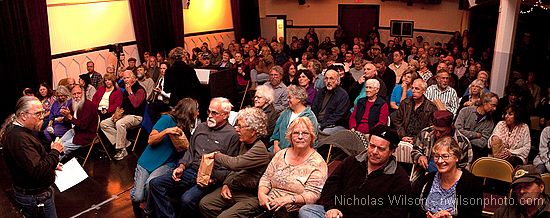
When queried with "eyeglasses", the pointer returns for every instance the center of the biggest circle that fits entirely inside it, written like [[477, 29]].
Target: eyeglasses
[[241, 127], [37, 114], [303, 134], [214, 113], [445, 157]]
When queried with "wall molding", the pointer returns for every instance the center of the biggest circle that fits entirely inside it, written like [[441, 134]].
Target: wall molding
[[209, 32], [82, 51], [82, 3], [312, 26]]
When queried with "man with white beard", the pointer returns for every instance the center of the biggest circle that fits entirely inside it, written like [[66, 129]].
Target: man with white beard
[[83, 118], [214, 135]]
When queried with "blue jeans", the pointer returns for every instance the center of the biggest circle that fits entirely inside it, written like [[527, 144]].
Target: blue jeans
[[142, 177], [312, 211], [40, 205], [160, 188], [68, 145]]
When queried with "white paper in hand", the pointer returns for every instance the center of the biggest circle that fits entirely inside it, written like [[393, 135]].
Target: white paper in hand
[[71, 175]]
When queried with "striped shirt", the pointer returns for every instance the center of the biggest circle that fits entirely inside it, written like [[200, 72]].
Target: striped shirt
[[447, 96]]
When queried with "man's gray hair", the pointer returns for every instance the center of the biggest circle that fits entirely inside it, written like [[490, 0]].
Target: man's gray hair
[[423, 83], [255, 119], [226, 106], [266, 92], [486, 98], [277, 69], [337, 75]]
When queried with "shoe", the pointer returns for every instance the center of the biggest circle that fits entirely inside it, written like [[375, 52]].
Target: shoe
[[121, 154]]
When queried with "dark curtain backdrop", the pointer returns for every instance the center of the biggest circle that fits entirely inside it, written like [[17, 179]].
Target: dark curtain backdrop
[[246, 19], [25, 53], [158, 25]]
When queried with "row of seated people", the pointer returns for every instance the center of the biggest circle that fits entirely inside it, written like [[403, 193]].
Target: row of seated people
[[248, 180]]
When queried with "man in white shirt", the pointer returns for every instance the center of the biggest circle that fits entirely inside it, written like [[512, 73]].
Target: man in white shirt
[[442, 94]]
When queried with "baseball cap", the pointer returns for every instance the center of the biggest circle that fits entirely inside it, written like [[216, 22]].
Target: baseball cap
[[525, 173], [443, 118], [375, 47]]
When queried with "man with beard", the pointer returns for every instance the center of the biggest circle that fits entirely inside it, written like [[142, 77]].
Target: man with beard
[[84, 121], [330, 104], [31, 165], [216, 134], [528, 194], [280, 101], [147, 83], [424, 142], [154, 68]]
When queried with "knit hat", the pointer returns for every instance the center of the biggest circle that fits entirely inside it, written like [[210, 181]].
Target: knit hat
[[386, 133], [525, 173], [443, 118]]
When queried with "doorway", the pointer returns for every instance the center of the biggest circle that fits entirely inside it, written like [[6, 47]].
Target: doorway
[[274, 25], [358, 20]]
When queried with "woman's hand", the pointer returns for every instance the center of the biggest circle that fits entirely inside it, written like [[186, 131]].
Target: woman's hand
[[279, 202], [264, 200]]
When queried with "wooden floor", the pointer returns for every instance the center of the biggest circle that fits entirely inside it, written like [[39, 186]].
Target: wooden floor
[[106, 193]]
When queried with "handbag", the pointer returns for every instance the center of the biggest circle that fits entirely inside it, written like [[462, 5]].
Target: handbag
[[119, 113]]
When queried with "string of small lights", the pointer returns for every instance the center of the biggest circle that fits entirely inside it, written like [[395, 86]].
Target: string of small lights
[[537, 4]]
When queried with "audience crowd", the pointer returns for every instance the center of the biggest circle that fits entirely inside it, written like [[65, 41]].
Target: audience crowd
[[425, 109]]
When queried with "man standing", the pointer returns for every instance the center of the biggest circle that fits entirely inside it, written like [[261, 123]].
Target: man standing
[[180, 79], [330, 104], [31, 165], [133, 107], [95, 77], [280, 102], [442, 94], [213, 135], [476, 124], [84, 121], [373, 176]]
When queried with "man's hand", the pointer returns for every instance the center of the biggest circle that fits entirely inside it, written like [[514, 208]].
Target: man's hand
[[408, 139], [65, 112], [333, 213], [178, 172], [128, 88], [210, 155], [423, 162], [57, 145], [59, 167], [226, 193]]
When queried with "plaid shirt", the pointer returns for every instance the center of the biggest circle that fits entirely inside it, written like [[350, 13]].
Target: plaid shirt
[[425, 141], [95, 79]]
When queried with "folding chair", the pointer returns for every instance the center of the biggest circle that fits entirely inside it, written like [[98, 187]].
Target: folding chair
[[145, 124], [95, 141], [546, 179], [492, 168]]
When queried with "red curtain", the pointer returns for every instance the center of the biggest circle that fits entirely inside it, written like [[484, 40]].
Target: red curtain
[[158, 25], [25, 51]]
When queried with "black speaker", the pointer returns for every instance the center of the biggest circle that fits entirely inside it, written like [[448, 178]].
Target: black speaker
[[301, 2]]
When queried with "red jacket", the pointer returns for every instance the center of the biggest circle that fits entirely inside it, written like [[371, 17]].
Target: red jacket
[[85, 124], [115, 99]]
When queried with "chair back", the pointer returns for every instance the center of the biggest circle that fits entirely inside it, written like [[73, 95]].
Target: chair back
[[493, 168], [546, 179]]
